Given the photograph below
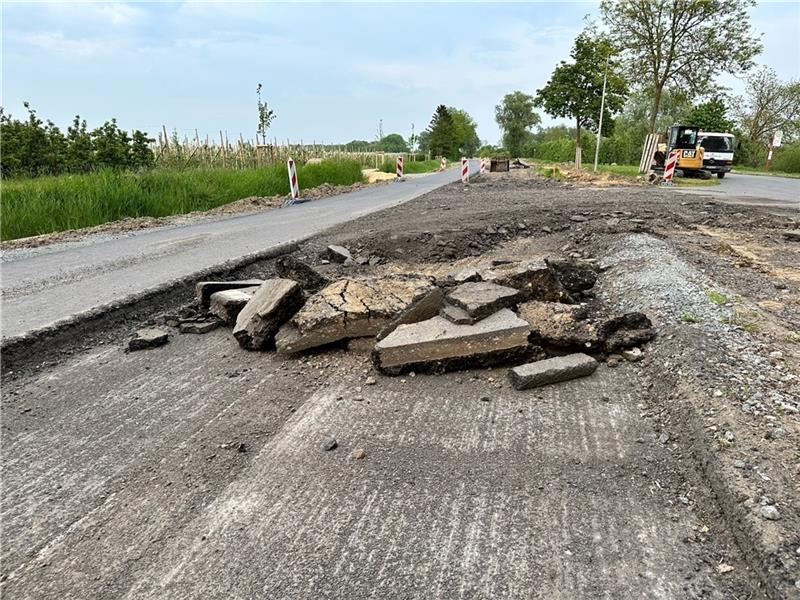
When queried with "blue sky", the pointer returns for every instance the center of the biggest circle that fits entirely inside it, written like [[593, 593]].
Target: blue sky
[[330, 71]]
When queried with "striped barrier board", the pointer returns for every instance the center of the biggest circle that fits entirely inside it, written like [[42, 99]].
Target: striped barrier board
[[648, 152], [293, 185], [483, 166], [669, 167], [443, 164], [399, 166], [464, 170]]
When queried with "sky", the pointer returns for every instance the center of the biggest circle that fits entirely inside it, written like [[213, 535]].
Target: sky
[[331, 72]]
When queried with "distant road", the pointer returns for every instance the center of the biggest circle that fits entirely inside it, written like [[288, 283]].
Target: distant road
[[755, 190], [45, 285]]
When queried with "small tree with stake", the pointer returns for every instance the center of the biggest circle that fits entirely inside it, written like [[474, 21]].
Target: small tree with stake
[[265, 116], [575, 89]]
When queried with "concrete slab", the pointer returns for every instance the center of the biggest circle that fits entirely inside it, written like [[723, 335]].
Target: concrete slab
[[204, 289], [227, 304], [481, 299], [438, 344], [552, 370], [273, 303]]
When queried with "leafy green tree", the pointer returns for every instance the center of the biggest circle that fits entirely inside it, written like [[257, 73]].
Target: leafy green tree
[[141, 155], [681, 42], [111, 146], [441, 134], [769, 105], [422, 141], [393, 142], [56, 152], [516, 117], [465, 132], [79, 147], [575, 89], [710, 116]]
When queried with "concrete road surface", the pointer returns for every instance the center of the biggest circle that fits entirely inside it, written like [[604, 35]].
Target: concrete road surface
[[197, 470], [755, 190], [48, 284]]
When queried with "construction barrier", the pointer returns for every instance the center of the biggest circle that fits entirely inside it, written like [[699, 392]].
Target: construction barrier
[[648, 152], [464, 170], [293, 185], [399, 166], [669, 167], [483, 166], [443, 164]]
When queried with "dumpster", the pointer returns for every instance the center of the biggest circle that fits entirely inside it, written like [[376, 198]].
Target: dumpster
[[498, 164]]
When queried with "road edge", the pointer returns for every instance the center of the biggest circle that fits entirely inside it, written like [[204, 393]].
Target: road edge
[[31, 346]]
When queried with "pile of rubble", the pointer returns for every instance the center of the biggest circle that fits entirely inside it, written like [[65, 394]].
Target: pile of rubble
[[535, 314]]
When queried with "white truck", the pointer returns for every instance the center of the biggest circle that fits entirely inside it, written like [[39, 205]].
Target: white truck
[[718, 155]]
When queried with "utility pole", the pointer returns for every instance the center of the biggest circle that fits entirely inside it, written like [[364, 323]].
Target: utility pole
[[602, 108]]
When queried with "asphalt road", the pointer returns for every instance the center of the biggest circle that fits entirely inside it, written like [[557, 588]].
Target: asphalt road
[[43, 286], [755, 190]]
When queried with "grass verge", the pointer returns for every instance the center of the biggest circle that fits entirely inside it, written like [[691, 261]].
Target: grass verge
[[418, 166], [48, 204]]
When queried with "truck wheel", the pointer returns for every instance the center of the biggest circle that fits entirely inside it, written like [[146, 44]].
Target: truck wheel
[[721, 175]]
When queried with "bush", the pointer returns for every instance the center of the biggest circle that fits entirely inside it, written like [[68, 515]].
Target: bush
[[787, 158], [46, 204]]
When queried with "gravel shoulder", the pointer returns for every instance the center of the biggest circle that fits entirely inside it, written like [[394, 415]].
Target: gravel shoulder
[[197, 469]]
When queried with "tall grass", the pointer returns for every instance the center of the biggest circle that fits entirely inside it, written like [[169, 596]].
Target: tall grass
[[47, 204], [419, 166]]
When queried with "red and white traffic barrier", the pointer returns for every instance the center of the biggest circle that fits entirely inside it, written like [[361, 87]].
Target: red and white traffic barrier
[[483, 166], [464, 170], [399, 166], [293, 185], [669, 167], [443, 164]]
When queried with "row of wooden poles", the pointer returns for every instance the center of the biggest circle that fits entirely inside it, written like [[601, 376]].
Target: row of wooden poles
[[244, 153]]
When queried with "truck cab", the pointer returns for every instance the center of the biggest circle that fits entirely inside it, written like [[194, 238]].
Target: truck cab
[[718, 151]]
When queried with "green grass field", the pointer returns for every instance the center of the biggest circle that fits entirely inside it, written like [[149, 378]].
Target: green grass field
[[46, 204], [419, 166]]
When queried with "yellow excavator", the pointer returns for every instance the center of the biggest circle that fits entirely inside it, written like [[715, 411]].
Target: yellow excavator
[[685, 139]]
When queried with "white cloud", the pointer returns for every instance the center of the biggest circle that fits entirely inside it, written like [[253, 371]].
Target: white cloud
[[57, 43]]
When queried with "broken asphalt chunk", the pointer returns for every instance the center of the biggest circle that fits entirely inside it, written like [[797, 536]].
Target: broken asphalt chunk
[[289, 267], [204, 289], [421, 309], [273, 303], [552, 370], [148, 338], [439, 345], [351, 308], [481, 299], [534, 279], [338, 254], [227, 304], [198, 327]]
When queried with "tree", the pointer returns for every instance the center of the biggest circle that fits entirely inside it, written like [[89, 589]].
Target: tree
[[681, 42], [515, 116], [111, 146], [79, 147], [575, 89], [393, 142], [710, 116], [265, 116], [769, 105], [441, 133], [465, 132], [141, 156]]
